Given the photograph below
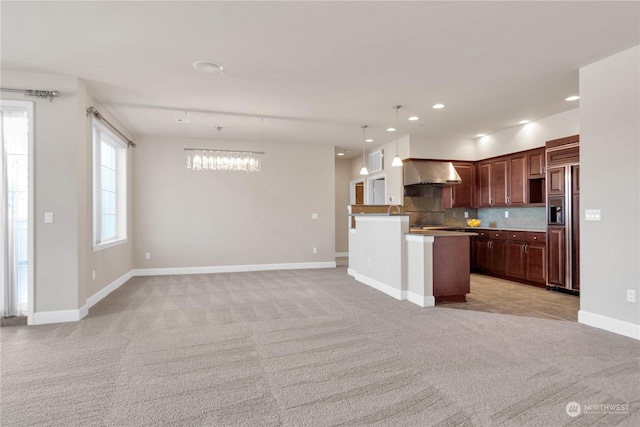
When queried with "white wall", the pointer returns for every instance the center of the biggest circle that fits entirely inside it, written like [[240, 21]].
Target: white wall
[[212, 219], [442, 147], [55, 174], [531, 135], [64, 258], [610, 181]]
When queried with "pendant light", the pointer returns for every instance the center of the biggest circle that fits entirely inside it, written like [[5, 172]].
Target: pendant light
[[397, 161], [364, 170]]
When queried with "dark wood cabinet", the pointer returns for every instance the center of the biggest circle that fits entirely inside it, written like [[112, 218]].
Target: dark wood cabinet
[[513, 255], [516, 259], [502, 181], [461, 195], [536, 163], [536, 263], [555, 181], [485, 184], [490, 252], [517, 182], [556, 256]]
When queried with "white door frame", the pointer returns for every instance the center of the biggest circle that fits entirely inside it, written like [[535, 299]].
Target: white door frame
[[368, 198]]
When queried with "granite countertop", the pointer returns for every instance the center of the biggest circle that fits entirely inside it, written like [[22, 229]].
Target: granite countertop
[[376, 214], [463, 227], [441, 233], [530, 230]]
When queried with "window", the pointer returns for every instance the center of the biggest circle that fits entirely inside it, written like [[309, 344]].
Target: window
[[109, 188]]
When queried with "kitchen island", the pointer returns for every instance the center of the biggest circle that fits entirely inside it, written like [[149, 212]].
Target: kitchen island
[[423, 266]]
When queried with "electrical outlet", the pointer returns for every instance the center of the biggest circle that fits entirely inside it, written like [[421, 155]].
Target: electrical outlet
[[592, 215], [466, 214], [631, 295], [147, 255], [315, 250], [506, 214], [314, 216]]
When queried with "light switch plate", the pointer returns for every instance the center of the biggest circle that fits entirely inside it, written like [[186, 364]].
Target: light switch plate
[[48, 217], [314, 216], [592, 215]]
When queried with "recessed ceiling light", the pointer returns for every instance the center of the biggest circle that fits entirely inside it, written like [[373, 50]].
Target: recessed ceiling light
[[391, 129], [340, 154], [480, 135], [414, 118], [208, 67], [523, 122], [182, 120], [438, 106], [572, 98], [368, 140]]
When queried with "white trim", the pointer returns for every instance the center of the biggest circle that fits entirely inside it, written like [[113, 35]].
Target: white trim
[[610, 324], [381, 217], [426, 301], [109, 244], [341, 254], [231, 268], [368, 190], [95, 298], [382, 287], [418, 238], [58, 316], [61, 316]]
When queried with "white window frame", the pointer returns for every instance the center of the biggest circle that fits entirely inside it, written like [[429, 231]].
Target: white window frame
[[101, 132]]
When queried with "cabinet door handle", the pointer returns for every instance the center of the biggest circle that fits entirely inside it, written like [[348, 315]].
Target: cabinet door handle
[[524, 248]]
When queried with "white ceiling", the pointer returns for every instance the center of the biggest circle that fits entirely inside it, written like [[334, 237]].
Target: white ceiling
[[316, 71]]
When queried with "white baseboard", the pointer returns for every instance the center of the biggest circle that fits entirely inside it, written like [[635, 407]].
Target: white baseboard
[[61, 316], [231, 268], [422, 301], [95, 298], [610, 324], [58, 316], [382, 287], [341, 254]]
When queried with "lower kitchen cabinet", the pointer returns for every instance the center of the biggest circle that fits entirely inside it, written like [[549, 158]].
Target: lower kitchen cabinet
[[490, 252], [516, 259], [514, 255], [536, 269]]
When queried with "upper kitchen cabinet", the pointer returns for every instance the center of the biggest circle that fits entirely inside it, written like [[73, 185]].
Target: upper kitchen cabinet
[[536, 163], [502, 181], [536, 171], [461, 195]]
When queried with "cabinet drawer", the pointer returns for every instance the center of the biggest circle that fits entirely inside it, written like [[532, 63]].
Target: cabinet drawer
[[497, 235], [533, 237], [515, 235]]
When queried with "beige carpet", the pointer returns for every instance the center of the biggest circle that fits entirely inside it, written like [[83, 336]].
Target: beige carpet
[[308, 348]]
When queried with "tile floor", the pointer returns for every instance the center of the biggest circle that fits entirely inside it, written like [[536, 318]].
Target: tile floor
[[503, 296]]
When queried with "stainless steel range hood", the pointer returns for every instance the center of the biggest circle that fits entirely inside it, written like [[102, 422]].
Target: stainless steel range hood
[[429, 172]]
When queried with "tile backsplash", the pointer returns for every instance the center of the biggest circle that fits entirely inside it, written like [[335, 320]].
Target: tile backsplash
[[521, 218]]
